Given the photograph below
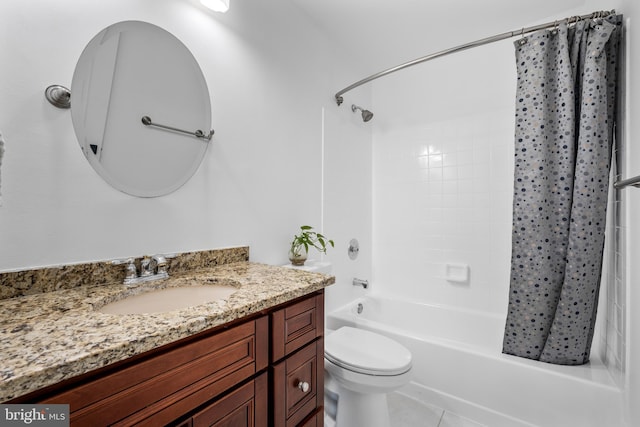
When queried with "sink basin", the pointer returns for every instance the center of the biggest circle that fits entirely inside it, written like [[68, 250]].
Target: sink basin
[[169, 299]]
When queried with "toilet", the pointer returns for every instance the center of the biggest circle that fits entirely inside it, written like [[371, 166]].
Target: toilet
[[361, 367]]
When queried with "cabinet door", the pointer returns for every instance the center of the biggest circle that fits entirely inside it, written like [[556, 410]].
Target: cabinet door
[[296, 325], [244, 407], [298, 386], [315, 420]]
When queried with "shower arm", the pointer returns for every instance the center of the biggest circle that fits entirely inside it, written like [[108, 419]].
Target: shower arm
[[487, 40]]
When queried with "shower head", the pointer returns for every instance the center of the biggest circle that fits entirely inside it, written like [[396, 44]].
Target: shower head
[[366, 114]]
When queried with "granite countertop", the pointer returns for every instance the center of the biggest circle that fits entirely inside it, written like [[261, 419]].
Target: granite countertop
[[49, 337]]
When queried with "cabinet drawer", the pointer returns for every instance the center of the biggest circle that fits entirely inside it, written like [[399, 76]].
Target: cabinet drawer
[[296, 325], [298, 387], [246, 406], [166, 384]]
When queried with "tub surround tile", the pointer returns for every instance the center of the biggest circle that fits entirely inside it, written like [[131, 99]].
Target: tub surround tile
[[47, 279], [48, 337]]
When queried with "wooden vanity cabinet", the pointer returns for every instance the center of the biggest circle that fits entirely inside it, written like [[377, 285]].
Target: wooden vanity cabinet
[[265, 371], [297, 363], [161, 388]]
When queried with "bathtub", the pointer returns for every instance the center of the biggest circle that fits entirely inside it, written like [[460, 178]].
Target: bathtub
[[458, 366]]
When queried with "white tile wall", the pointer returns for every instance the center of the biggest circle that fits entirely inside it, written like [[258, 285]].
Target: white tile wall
[[612, 309], [443, 195], [442, 178]]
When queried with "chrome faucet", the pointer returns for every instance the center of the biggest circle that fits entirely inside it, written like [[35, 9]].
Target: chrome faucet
[[360, 282], [151, 268], [145, 267]]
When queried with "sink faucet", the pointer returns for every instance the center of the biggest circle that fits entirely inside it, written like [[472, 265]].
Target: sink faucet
[[151, 268], [145, 266]]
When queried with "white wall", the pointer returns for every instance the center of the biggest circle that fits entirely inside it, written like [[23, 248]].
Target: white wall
[[347, 190], [270, 75]]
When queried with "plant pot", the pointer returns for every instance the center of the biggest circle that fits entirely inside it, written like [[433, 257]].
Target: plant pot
[[298, 256]]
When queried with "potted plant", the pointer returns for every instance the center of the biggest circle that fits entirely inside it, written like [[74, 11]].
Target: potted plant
[[302, 242]]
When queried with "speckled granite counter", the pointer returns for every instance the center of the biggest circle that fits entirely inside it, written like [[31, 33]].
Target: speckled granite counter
[[48, 337]]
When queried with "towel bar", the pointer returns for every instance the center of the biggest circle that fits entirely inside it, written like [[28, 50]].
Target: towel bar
[[146, 120]]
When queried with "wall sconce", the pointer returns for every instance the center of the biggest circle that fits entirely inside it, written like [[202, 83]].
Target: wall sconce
[[216, 5]]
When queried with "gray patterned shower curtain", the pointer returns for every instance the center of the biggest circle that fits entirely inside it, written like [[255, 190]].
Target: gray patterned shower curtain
[[565, 115]]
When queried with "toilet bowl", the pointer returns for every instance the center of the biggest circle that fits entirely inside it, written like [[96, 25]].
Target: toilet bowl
[[361, 367]]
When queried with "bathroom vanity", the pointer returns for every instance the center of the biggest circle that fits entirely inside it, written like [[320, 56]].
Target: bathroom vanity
[[254, 359]]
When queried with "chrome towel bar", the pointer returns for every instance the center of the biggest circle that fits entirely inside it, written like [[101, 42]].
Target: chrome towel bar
[[635, 181], [146, 120]]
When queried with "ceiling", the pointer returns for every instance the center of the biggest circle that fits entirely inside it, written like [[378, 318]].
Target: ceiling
[[384, 33]]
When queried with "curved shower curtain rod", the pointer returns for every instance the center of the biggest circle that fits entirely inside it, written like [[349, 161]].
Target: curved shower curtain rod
[[487, 40]]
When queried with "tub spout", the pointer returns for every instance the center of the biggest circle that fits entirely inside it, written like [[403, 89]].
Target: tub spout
[[360, 282]]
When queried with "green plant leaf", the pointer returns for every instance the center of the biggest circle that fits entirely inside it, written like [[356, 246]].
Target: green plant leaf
[[309, 238]]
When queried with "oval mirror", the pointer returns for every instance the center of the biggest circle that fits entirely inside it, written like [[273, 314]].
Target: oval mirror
[[132, 70]]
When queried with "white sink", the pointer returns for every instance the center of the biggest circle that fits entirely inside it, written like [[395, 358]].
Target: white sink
[[169, 299]]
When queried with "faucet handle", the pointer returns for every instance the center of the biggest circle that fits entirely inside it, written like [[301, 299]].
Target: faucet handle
[[159, 263], [131, 270]]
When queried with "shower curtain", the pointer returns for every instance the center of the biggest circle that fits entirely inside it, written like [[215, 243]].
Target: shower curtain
[[565, 114]]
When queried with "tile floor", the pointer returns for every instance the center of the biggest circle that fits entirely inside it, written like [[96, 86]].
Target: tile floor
[[407, 412]]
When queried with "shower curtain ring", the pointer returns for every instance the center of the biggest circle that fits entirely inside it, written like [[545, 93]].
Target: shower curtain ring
[[523, 39]]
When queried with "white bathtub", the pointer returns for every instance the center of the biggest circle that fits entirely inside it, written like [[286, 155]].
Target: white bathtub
[[458, 366]]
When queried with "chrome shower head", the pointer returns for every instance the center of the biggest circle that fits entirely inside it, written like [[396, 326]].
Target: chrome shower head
[[366, 114]]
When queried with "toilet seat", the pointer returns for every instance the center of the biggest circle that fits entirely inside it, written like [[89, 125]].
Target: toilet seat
[[366, 352]]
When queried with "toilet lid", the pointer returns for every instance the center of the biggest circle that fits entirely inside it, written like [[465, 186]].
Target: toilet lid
[[366, 352]]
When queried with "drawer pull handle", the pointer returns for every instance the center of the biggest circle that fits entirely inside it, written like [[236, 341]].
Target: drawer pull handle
[[304, 386]]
